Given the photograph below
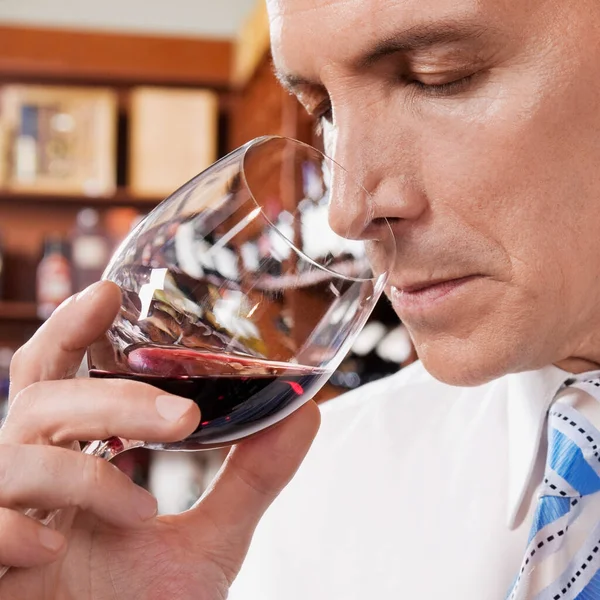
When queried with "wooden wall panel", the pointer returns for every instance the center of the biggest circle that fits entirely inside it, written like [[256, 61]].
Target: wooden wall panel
[[261, 108]]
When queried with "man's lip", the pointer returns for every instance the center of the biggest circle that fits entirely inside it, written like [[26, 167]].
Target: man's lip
[[420, 286]]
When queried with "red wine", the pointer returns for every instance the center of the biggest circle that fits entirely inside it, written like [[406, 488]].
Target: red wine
[[237, 396]]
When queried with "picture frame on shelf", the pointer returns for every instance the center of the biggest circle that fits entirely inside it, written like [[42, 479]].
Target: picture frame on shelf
[[58, 139]]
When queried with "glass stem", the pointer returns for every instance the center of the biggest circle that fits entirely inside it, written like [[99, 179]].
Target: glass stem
[[106, 449]]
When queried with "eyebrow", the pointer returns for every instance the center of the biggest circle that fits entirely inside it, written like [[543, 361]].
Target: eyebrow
[[292, 82], [415, 38], [424, 36]]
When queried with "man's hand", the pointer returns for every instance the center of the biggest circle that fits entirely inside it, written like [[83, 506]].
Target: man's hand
[[108, 544]]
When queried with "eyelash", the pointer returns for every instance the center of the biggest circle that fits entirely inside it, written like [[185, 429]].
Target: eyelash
[[442, 89]]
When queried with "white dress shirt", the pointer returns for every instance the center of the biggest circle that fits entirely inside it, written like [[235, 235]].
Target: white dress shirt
[[412, 489]]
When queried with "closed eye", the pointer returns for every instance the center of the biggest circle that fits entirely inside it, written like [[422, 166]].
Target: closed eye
[[449, 88]]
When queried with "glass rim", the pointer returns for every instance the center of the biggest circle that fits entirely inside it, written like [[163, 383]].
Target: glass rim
[[264, 138]]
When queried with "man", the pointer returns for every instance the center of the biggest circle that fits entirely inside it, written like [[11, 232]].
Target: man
[[475, 126]]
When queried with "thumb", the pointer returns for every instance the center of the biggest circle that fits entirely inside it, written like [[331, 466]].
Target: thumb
[[252, 476]]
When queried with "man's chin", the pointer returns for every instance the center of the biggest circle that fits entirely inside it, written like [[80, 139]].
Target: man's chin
[[462, 368]]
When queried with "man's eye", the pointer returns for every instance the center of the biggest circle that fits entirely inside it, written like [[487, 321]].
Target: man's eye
[[323, 114], [443, 89]]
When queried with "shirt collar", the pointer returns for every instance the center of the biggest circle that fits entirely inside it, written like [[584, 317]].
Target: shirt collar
[[529, 397]]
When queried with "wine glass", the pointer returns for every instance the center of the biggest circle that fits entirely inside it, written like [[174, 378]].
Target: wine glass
[[238, 294]]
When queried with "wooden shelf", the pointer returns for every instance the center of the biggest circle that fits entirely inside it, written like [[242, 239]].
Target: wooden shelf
[[121, 198], [63, 55], [19, 311]]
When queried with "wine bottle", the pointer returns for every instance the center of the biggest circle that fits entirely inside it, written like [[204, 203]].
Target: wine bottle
[[25, 158], [90, 249], [54, 276]]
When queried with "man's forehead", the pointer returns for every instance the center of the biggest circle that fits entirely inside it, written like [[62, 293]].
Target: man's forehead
[[322, 30], [281, 7], [338, 9]]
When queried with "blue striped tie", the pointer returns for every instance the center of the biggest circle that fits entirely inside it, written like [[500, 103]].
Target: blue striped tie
[[562, 559]]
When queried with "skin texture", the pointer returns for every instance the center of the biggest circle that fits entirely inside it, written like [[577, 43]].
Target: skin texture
[[494, 175], [108, 544]]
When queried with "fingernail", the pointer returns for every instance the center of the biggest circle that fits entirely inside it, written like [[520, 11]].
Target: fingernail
[[172, 408], [145, 504], [51, 540]]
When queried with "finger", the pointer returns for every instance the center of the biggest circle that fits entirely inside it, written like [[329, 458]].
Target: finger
[[58, 412], [253, 475], [48, 478], [57, 348], [25, 542]]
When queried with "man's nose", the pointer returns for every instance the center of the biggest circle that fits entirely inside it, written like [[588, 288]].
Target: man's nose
[[379, 177]]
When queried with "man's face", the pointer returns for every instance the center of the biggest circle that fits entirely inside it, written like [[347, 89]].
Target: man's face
[[475, 124]]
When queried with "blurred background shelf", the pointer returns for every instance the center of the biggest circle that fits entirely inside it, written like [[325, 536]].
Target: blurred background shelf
[[19, 311], [122, 198]]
